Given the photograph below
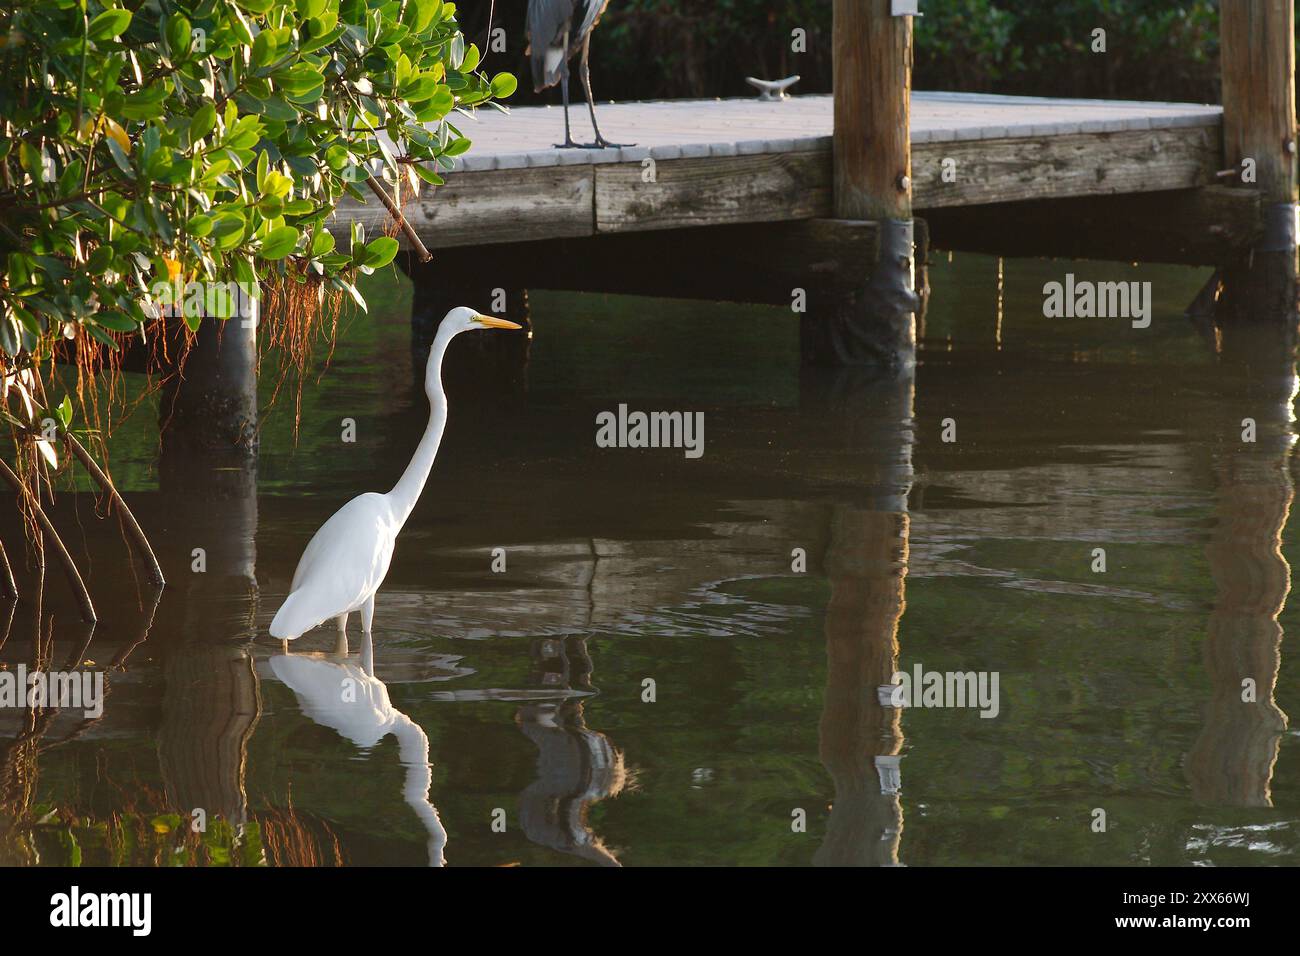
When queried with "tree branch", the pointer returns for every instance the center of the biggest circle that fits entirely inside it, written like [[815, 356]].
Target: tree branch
[[378, 189]]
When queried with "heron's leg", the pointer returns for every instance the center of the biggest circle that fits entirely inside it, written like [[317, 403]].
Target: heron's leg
[[341, 647], [564, 95], [284, 645], [367, 646], [584, 71]]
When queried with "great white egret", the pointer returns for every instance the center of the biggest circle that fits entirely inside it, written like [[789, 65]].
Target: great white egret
[[346, 560], [557, 29]]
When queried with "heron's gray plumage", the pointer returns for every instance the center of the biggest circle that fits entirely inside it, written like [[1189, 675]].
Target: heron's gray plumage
[[548, 22]]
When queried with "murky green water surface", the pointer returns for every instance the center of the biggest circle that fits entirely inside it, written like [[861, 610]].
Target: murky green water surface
[[525, 691]]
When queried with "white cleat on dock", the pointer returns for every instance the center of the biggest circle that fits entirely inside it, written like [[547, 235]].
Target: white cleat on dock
[[772, 89]]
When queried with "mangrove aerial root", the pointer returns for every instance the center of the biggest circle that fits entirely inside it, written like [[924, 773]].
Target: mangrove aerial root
[[8, 586], [65, 559], [135, 534]]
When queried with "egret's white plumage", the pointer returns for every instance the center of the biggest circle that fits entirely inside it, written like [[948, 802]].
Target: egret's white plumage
[[347, 559]]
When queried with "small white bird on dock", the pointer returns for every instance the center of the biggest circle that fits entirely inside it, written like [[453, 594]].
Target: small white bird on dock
[[347, 559], [772, 89]]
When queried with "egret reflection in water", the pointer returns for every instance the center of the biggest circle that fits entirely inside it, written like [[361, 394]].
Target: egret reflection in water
[[343, 694]]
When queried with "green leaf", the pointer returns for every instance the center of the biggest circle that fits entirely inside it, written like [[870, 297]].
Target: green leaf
[[115, 320], [228, 232], [99, 260], [419, 14], [503, 85], [279, 242], [199, 225], [263, 167], [420, 88], [429, 176], [145, 104], [379, 252], [352, 290], [456, 147], [471, 59], [30, 158], [203, 122], [102, 336], [245, 273], [109, 25], [255, 6], [263, 49], [65, 411], [299, 79], [323, 243], [177, 32], [119, 156], [277, 184], [274, 107]]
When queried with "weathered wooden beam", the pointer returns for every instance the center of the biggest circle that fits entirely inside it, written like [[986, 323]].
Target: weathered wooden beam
[[1205, 226], [762, 262], [1081, 164], [477, 208], [712, 191]]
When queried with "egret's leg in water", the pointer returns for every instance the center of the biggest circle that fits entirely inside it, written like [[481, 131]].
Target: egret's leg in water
[[284, 645], [367, 647], [341, 647], [584, 71]]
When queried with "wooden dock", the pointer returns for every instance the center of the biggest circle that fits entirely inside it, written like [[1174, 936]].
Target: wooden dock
[[839, 197], [719, 162]]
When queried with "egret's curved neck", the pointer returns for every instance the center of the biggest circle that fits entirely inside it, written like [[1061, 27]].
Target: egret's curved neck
[[406, 492]]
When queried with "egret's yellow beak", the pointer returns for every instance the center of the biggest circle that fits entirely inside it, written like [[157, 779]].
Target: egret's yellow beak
[[495, 323]]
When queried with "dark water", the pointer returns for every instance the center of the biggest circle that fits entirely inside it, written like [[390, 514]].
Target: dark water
[[520, 696]]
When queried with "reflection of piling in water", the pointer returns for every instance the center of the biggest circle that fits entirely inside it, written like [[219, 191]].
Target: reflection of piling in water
[[576, 767], [1232, 761], [860, 738], [211, 700], [865, 563], [210, 707]]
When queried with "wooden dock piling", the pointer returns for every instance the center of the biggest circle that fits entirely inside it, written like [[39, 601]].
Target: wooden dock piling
[[1257, 51], [872, 145], [872, 182]]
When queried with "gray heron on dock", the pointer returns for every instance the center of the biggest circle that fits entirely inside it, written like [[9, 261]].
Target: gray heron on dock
[[557, 29]]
